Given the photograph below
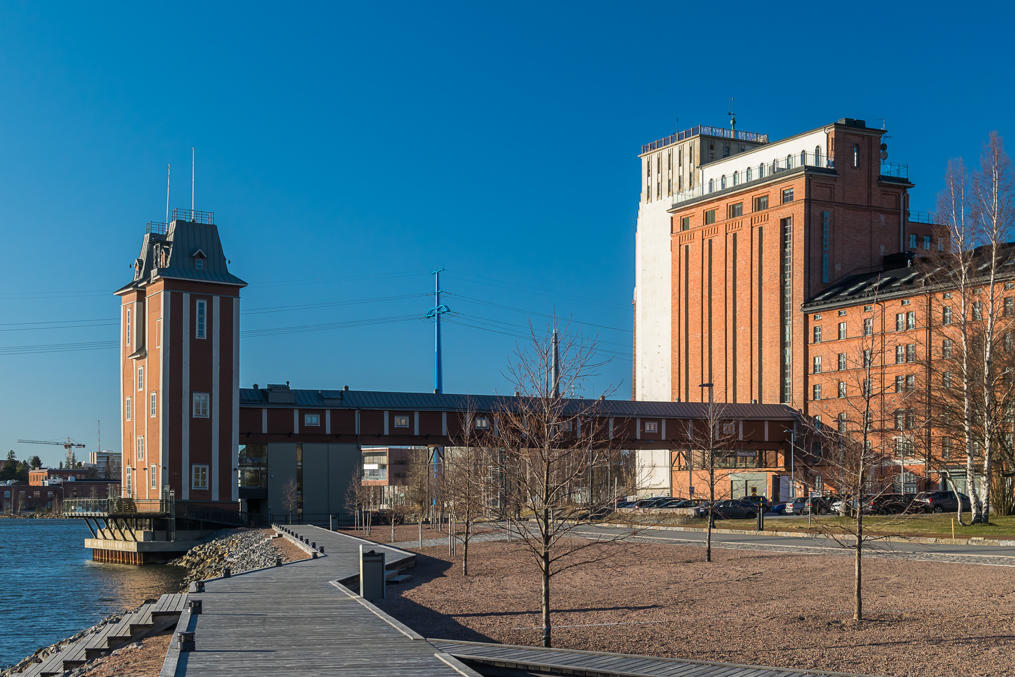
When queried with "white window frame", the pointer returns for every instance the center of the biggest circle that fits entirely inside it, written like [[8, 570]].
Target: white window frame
[[158, 333], [140, 377], [153, 404], [139, 447], [153, 470], [201, 319], [651, 426], [200, 405], [199, 477], [128, 325], [312, 420], [400, 421], [482, 423], [126, 409]]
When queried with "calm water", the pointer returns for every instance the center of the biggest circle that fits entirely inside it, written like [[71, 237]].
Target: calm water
[[50, 588]]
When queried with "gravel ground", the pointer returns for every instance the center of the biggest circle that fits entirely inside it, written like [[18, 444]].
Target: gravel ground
[[924, 618], [140, 659], [290, 551]]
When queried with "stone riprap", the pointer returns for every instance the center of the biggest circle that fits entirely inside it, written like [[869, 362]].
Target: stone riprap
[[238, 549]]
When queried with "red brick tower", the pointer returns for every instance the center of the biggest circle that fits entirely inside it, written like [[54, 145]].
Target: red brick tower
[[179, 365]]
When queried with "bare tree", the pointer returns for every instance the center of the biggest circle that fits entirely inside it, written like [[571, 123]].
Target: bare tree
[[854, 457], [465, 480], [711, 440], [290, 497], [544, 445]]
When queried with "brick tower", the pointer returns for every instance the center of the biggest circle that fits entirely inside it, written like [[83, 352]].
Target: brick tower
[[179, 365]]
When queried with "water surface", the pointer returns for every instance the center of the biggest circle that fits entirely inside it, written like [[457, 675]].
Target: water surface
[[50, 588]]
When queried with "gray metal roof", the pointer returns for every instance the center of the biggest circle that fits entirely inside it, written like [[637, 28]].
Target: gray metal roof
[[177, 249], [281, 396]]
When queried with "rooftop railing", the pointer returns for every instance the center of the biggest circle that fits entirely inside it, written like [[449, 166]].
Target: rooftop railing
[[101, 507], [194, 216], [157, 227], [705, 130], [895, 169], [748, 174]]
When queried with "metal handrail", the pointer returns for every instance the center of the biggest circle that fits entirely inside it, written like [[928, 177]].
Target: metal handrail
[[117, 506], [194, 216], [705, 130], [157, 227]]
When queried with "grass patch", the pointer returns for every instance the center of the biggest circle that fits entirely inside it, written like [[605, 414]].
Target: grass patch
[[935, 526]]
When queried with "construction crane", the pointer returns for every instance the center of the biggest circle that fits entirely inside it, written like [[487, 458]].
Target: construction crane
[[67, 445]]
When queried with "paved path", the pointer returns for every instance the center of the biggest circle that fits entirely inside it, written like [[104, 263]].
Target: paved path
[[987, 555], [292, 620]]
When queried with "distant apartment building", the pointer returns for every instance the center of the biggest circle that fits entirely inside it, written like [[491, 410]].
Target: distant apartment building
[[754, 240], [38, 477], [106, 463], [388, 469]]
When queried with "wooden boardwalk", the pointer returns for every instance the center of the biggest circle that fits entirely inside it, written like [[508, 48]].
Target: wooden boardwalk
[[599, 664], [292, 620]]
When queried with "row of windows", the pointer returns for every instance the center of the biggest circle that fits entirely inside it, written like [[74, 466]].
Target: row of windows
[[926, 242], [736, 209], [200, 323], [198, 477], [902, 384]]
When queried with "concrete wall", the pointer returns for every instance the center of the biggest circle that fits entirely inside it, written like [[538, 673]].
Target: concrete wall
[[281, 469]]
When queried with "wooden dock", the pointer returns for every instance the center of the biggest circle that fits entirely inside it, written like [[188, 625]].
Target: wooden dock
[[295, 620]]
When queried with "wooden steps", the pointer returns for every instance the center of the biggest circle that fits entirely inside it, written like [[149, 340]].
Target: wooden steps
[[111, 636]]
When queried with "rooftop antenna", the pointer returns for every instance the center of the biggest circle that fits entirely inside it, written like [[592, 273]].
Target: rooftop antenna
[[435, 314], [192, 166], [169, 169], [732, 114]]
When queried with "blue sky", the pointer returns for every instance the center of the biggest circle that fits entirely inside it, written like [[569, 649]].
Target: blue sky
[[348, 149]]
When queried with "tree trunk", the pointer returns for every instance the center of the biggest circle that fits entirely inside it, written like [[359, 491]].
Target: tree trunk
[[858, 569], [545, 601], [465, 551], [421, 529]]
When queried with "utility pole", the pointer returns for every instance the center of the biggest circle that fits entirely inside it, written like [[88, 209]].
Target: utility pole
[[435, 313]]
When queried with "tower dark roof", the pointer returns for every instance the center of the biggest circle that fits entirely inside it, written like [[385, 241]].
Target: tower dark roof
[[174, 255]]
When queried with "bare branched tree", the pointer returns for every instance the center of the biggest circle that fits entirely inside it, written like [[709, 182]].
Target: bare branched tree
[[711, 444], [290, 497], [545, 447], [465, 481]]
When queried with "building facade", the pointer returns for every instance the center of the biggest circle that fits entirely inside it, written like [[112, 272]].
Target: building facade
[[760, 234], [179, 366]]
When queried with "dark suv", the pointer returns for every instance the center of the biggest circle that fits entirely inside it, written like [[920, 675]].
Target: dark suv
[[892, 504], [756, 501], [940, 501]]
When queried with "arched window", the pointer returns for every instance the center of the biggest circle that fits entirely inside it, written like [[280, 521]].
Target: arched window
[[817, 155], [789, 161], [722, 181], [736, 178], [803, 158], [748, 178], [761, 170], [711, 186]]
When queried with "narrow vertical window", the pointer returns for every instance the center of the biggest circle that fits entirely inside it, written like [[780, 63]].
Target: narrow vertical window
[[868, 326], [201, 319], [140, 381], [140, 448], [856, 155], [153, 471], [826, 245], [127, 338], [153, 405], [126, 410], [158, 333]]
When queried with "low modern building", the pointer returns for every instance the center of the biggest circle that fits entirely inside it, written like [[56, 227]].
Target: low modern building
[[38, 477]]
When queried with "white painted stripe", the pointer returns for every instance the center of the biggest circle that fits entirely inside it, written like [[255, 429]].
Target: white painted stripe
[[357, 421], [216, 393], [444, 423], [637, 434], [165, 409], [185, 408], [664, 429], [386, 423], [611, 427], [123, 403], [264, 420], [415, 426], [327, 421], [235, 444], [296, 421]]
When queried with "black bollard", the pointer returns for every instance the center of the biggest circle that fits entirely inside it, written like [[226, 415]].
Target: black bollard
[[197, 586], [226, 572], [185, 641], [278, 560], [195, 607], [321, 549]]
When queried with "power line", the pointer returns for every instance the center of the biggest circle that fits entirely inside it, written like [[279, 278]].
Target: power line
[[457, 319], [487, 302]]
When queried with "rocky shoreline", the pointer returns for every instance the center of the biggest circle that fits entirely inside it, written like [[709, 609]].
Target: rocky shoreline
[[239, 549]]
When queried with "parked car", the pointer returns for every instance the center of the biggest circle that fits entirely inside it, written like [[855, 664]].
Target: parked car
[[756, 501], [890, 504], [625, 504], [940, 501], [729, 509], [652, 502], [779, 508], [815, 505], [676, 503]]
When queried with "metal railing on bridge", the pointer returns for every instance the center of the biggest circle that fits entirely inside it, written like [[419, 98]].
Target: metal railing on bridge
[[117, 506]]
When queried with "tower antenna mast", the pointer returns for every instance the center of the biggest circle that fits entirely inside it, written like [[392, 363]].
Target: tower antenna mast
[[732, 114], [435, 313], [169, 170], [192, 167]]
